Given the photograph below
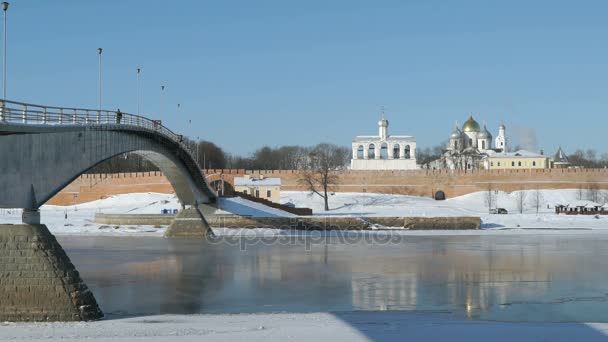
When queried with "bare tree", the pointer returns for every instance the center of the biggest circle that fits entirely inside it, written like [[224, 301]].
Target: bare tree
[[603, 196], [520, 199], [489, 197], [322, 172], [593, 193], [580, 192], [537, 199]]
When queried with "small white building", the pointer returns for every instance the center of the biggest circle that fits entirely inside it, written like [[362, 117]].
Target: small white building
[[268, 188], [383, 151]]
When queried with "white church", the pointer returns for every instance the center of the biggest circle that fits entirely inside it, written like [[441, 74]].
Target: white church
[[383, 151], [469, 146], [476, 139]]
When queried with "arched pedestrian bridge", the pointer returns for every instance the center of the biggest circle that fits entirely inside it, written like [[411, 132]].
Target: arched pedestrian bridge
[[44, 148]]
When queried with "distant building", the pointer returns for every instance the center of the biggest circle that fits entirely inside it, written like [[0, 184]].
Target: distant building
[[468, 147], [268, 188], [560, 160], [582, 207], [383, 151], [475, 138], [516, 160]]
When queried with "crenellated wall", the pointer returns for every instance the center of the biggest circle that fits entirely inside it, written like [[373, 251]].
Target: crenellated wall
[[91, 187]]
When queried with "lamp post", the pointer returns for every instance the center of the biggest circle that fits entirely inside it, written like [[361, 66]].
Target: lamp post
[[99, 50], [162, 91], [4, 9], [198, 145], [138, 92]]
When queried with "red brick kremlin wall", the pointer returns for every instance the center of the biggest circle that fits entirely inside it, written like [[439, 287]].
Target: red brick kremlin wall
[[417, 182]]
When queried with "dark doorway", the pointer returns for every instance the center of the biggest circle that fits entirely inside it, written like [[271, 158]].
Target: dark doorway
[[440, 195]]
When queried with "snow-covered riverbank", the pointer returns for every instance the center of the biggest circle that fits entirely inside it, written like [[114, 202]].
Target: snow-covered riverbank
[[369, 204], [79, 219], [349, 326]]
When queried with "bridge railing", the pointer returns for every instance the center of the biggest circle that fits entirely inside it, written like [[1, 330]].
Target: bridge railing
[[32, 114]]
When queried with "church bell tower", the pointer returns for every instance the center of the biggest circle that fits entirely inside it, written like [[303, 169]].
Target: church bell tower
[[501, 139]]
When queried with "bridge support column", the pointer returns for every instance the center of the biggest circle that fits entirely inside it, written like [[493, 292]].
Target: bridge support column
[[189, 222], [38, 281], [30, 216]]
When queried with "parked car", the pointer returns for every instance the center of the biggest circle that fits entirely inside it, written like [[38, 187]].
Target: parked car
[[499, 211]]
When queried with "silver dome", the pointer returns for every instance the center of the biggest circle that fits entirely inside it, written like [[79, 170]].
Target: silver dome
[[456, 133], [484, 134]]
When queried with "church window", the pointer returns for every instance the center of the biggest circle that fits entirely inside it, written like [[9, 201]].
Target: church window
[[245, 192], [470, 142], [360, 152], [384, 151], [518, 163], [407, 151], [483, 144], [257, 193], [396, 150], [512, 163], [268, 193], [533, 163], [491, 163], [498, 163], [371, 152]]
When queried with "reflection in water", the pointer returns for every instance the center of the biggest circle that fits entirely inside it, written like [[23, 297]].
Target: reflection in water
[[538, 278]]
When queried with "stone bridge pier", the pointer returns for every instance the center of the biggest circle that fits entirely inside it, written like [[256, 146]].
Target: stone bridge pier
[[42, 150]]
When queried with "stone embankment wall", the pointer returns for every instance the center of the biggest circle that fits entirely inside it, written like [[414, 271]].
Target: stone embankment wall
[[135, 219], [37, 280], [348, 223], [92, 187], [306, 223]]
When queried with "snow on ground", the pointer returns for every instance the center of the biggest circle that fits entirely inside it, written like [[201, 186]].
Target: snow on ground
[[474, 204], [244, 207], [80, 217], [370, 204], [347, 326]]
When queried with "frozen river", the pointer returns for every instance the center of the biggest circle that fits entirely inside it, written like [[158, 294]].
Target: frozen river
[[543, 278]]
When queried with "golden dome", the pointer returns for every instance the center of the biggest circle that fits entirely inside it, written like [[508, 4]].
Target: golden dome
[[471, 125]]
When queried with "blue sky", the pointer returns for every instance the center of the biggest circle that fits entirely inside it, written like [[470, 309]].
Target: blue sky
[[275, 72]]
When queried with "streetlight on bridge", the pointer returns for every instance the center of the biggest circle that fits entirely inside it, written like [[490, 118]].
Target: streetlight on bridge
[[162, 92], [99, 50], [138, 92], [4, 8]]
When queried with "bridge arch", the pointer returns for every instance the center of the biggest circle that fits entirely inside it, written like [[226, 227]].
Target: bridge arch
[[43, 149]]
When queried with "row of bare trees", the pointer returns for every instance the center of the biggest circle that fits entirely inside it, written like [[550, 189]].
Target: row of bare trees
[[592, 192], [536, 201], [588, 159], [320, 164], [207, 154], [267, 158]]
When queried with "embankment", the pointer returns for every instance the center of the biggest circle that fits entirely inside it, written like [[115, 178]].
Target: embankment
[[305, 223]]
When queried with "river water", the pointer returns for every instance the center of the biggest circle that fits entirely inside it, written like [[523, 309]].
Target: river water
[[545, 277]]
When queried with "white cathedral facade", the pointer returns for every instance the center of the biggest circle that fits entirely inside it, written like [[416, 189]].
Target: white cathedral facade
[[467, 147], [477, 139], [383, 151]]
